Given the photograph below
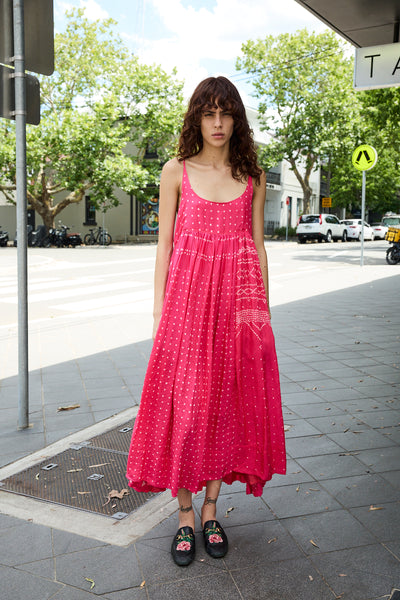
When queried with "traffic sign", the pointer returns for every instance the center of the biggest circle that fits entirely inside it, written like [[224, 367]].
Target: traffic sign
[[326, 202], [7, 96], [38, 35], [364, 157]]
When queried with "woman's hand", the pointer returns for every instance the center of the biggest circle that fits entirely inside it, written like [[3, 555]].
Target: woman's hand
[[156, 322]]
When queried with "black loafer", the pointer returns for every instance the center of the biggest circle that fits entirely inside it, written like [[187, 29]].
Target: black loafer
[[183, 546], [215, 539]]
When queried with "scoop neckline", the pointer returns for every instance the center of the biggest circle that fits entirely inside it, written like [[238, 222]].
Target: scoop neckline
[[215, 201]]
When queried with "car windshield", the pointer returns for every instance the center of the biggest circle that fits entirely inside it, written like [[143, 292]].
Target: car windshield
[[391, 221], [309, 219], [350, 222]]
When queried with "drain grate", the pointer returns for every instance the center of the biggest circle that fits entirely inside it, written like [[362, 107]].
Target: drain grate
[[83, 476]]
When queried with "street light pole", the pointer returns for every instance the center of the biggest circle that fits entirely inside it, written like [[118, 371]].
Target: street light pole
[[22, 258]]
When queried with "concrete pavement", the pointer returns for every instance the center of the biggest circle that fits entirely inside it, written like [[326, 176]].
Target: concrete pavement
[[328, 529]]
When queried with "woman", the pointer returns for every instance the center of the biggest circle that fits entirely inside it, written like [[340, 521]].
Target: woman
[[211, 408]]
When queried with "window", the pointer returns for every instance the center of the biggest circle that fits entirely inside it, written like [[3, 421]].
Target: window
[[90, 212]]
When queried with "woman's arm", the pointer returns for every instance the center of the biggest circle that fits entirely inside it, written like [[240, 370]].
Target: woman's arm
[[258, 229], [169, 193]]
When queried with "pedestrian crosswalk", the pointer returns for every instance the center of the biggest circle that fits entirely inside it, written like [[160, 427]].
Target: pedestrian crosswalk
[[81, 290]]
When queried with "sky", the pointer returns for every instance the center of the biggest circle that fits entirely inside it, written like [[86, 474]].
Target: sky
[[201, 38]]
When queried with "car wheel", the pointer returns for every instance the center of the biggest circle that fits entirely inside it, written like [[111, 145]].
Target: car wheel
[[328, 237], [302, 240], [344, 236]]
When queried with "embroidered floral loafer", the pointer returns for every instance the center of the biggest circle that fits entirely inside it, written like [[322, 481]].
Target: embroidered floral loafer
[[183, 546], [215, 540]]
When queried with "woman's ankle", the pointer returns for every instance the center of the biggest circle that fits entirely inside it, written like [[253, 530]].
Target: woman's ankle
[[186, 516], [208, 510]]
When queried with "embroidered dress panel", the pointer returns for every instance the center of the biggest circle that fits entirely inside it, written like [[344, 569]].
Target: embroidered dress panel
[[211, 404]]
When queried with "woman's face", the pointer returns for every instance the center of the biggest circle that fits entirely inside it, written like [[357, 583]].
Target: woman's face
[[217, 126]]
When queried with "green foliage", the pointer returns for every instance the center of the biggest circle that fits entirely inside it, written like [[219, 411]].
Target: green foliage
[[378, 126], [304, 84], [100, 111], [281, 232]]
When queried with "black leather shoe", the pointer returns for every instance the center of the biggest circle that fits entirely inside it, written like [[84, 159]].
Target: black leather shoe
[[215, 540], [183, 546]]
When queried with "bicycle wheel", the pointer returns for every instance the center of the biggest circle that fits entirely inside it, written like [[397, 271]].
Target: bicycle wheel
[[105, 239], [88, 240]]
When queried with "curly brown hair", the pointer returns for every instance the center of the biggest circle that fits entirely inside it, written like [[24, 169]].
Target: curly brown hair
[[219, 92]]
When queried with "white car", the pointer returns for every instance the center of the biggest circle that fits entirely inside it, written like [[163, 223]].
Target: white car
[[353, 227], [380, 230], [320, 227]]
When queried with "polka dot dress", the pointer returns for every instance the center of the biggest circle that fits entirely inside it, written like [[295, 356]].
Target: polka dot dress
[[211, 404]]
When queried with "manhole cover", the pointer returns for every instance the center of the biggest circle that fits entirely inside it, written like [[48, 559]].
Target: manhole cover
[[89, 476]]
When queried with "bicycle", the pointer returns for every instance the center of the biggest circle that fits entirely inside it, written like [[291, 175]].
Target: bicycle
[[97, 236]]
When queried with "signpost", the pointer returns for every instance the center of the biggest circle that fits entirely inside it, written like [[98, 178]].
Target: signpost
[[25, 26], [364, 158]]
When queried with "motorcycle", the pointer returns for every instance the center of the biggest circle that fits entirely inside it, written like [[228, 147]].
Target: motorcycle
[[393, 253], [3, 238], [60, 237]]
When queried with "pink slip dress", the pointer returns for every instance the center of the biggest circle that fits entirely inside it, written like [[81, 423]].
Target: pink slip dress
[[211, 404]]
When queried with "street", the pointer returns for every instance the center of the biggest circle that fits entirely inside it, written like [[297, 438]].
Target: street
[[86, 283]]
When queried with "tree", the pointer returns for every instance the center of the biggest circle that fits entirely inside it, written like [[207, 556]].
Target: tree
[[377, 126], [100, 110], [304, 84]]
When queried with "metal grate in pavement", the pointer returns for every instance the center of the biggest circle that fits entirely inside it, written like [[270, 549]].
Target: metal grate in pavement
[[83, 477]]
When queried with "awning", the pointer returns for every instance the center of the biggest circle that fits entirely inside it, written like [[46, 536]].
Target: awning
[[361, 22]]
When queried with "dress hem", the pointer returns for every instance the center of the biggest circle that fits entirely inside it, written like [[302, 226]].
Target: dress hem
[[254, 484]]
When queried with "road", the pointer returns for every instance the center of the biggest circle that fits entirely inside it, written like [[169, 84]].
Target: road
[[98, 296], [91, 282]]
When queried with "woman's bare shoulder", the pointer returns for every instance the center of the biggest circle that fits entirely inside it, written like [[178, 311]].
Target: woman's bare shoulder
[[172, 170], [263, 181]]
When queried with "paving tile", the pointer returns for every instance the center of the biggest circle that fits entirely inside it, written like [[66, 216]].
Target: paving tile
[[111, 568], [70, 593], [367, 572], [393, 477], [17, 543], [355, 407], [294, 579], [336, 423], [311, 446], [359, 439], [385, 418], [65, 542], [301, 398], [292, 501], [361, 490], [393, 433], [300, 428], [246, 509], [334, 530], [222, 587], [381, 459], [317, 409], [394, 547], [384, 523], [294, 475], [332, 465], [270, 539], [16, 584]]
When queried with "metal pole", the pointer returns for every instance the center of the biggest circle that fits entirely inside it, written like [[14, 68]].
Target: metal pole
[[362, 218], [22, 258]]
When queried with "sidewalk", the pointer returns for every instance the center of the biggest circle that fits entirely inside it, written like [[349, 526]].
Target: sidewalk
[[328, 529]]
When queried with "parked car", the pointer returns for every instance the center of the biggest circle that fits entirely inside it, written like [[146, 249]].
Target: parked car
[[379, 230], [391, 220], [354, 227], [320, 227]]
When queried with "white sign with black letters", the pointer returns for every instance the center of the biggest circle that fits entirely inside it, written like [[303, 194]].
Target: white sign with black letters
[[377, 67]]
